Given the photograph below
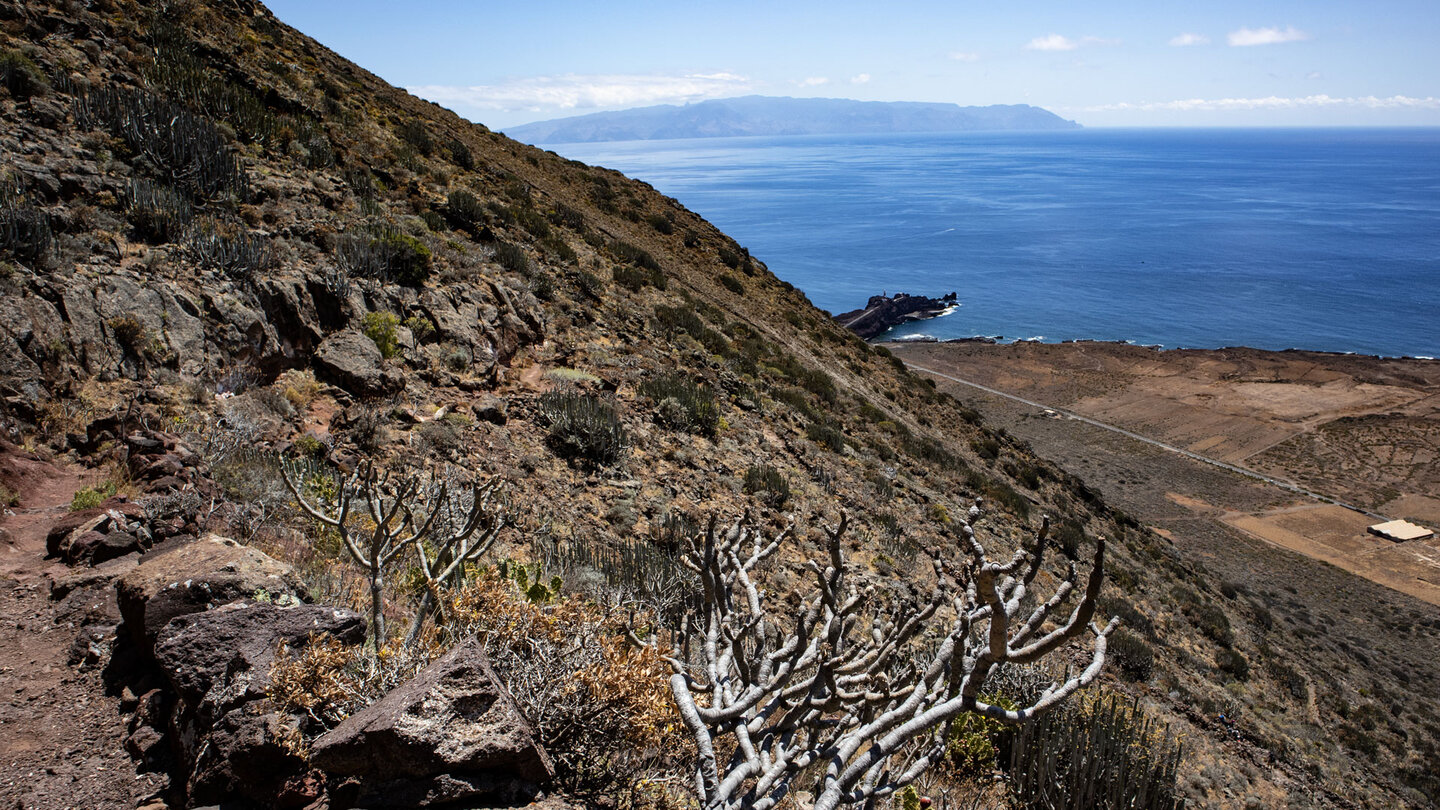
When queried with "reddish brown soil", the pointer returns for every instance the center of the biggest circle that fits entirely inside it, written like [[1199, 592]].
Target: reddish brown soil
[[1363, 430], [60, 734]]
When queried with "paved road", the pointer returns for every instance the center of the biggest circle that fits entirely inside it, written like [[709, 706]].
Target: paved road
[[1286, 485]]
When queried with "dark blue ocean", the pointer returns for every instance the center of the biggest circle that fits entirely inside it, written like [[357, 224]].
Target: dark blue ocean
[[1285, 238]]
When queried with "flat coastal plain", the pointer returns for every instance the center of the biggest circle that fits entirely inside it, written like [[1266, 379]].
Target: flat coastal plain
[[1362, 433]]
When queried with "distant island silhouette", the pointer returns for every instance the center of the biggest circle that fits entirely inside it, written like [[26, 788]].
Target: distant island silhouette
[[768, 115]]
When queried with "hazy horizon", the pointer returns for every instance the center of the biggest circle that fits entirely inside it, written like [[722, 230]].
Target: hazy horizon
[[1360, 125], [1281, 63]]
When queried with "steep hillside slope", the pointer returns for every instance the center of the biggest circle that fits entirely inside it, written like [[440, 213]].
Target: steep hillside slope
[[211, 223]]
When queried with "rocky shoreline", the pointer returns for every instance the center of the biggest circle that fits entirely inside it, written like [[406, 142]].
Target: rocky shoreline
[[884, 312]]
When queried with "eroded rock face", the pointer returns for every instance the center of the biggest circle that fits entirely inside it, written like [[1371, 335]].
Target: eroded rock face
[[197, 576], [451, 733], [221, 658]]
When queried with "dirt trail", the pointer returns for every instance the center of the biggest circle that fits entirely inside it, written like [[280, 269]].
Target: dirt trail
[[60, 734]]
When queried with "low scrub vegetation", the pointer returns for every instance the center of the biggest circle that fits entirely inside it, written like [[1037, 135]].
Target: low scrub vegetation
[[683, 404], [584, 427]]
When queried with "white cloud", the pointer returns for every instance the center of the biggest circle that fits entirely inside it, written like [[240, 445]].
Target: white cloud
[[964, 56], [1274, 103], [572, 91], [1182, 40], [1314, 74], [1052, 42], [1265, 36], [1056, 42], [863, 78], [813, 81]]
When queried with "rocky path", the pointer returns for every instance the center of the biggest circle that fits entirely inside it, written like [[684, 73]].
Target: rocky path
[[60, 733]]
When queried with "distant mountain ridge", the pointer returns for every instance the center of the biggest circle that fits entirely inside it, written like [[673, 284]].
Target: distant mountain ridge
[[769, 115]]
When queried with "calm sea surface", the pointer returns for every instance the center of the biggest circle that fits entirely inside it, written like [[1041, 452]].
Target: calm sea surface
[[1314, 239]]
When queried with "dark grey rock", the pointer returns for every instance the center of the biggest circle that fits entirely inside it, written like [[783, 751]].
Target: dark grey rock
[[451, 733], [198, 576], [492, 410], [245, 757], [221, 658], [352, 361]]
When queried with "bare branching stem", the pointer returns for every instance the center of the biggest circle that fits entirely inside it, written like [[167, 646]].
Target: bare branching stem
[[840, 690], [399, 512]]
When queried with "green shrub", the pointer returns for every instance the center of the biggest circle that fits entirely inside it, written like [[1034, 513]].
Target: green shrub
[[1233, 663], [584, 428], [1132, 655], [21, 76], [825, 436], [390, 256], [413, 132], [732, 284], [434, 221], [380, 327], [465, 212], [159, 214], [91, 497], [589, 284], [26, 233], [1096, 753], [460, 154], [408, 258], [626, 252], [564, 216], [661, 223], [512, 257], [926, 449], [683, 404], [986, 447], [768, 485], [1005, 495], [1067, 537], [674, 320], [797, 399], [127, 331], [818, 383], [1130, 616], [309, 446], [636, 278], [420, 326], [1211, 620]]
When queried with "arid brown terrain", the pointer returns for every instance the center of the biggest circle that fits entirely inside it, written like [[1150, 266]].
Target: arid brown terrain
[[222, 245], [1363, 431]]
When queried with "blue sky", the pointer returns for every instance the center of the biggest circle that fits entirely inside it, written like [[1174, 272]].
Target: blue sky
[[1102, 63]]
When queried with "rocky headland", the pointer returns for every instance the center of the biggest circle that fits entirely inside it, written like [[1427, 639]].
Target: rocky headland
[[884, 312], [239, 274]]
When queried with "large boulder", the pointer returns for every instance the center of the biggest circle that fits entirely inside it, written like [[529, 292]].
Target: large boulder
[[231, 739], [200, 575], [221, 658], [115, 514], [452, 733], [351, 360]]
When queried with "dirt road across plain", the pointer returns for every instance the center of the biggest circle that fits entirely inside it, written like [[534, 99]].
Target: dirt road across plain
[[1304, 449]]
